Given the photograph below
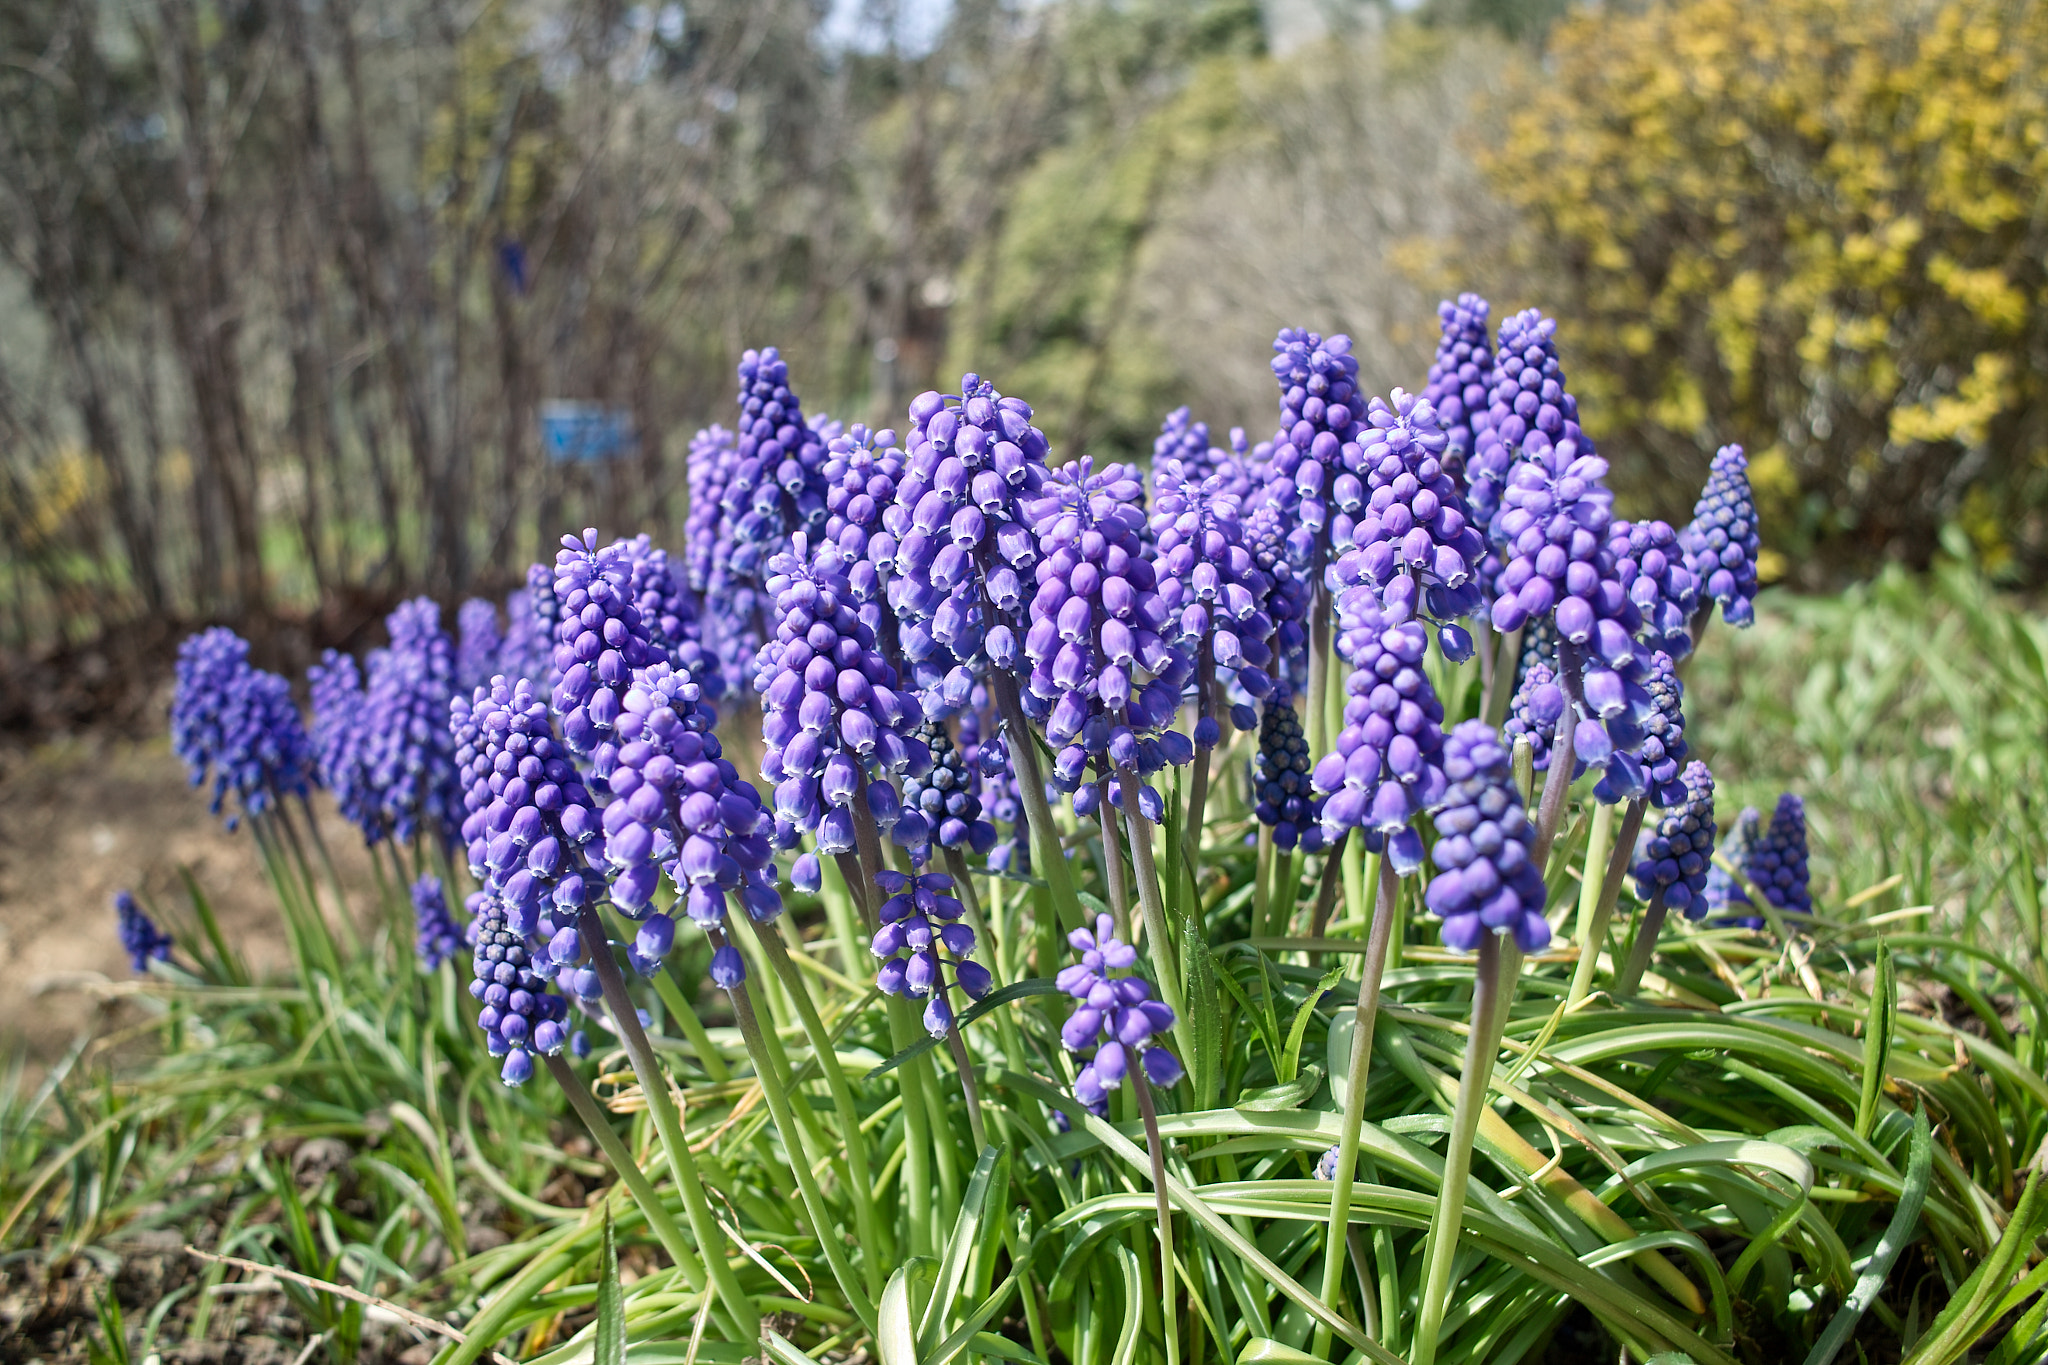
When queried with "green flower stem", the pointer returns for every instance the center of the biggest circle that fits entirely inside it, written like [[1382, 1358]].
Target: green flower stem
[[1592, 927], [1046, 854], [1525, 769], [1490, 994], [963, 880], [858, 1173], [1357, 1070], [672, 1240], [801, 1157], [1610, 893], [917, 1129], [1316, 722], [1326, 890], [1557, 785], [1164, 959], [1501, 688], [1355, 883], [667, 1123], [840, 914], [348, 925], [670, 988], [856, 878], [1198, 781], [969, 1089], [1262, 872], [1113, 865], [1644, 947], [1156, 1149]]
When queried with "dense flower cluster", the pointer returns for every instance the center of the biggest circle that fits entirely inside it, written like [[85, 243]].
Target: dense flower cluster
[[1320, 407], [520, 1016], [1212, 588], [531, 614], [1528, 400], [973, 464], [532, 828], [1266, 531], [668, 612], [408, 755], [236, 723], [862, 468], [707, 536], [339, 738], [141, 938], [1385, 769], [1413, 539], [1104, 679], [1284, 796], [1776, 863], [947, 795], [1116, 1015], [1651, 569], [479, 646], [436, 938], [601, 638], [1488, 882], [1181, 438], [775, 487], [1673, 859], [834, 721], [922, 934], [1723, 892], [1721, 544], [1461, 378], [1537, 706]]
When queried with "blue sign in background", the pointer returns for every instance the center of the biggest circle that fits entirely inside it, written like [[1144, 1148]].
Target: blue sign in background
[[573, 433]]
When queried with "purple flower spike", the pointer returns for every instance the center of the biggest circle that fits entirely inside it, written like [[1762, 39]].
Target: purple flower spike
[[1285, 797], [1413, 538], [1529, 413], [1537, 706], [1385, 769], [776, 486], [669, 613], [922, 918], [1212, 587], [601, 639], [948, 795], [1107, 668], [1650, 566], [340, 736], [1181, 438], [531, 615], [408, 755], [1114, 1014], [479, 645], [1487, 882], [437, 938], [1677, 855], [707, 535], [520, 1015], [1721, 544], [237, 723], [144, 942], [1776, 863], [1461, 379], [1723, 892]]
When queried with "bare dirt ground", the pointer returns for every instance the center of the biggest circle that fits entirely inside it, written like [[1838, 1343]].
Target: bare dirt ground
[[85, 816]]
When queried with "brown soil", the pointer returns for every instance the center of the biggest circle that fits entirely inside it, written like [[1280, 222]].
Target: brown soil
[[83, 817]]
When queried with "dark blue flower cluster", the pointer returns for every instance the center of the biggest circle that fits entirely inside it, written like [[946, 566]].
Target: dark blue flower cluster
[[339, 738], [948, 794], [1116, 1015], [1385, 769], [1461, 379], [1651, 569], [408, 755], [1538, 705], [1266, 530], [236, 723], [1674, 858], [144, 942], [1212, 587], [520, 1016], [436, 938], [1721, 543], [1723, 892], [1106, 672], [707, 536], [1488, 882], [921, 935], [834, 720], [1776, 863], [1284, 796]]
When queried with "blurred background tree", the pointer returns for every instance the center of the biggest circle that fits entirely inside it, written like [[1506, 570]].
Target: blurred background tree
[[1819, 227], [283, 286]]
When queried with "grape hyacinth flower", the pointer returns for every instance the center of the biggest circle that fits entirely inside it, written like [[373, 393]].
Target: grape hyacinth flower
[[963, 541], [1319, 411], [776, 487], [706, 534], [339, 739], [437, 938], [668, 612], [678, 804], [947, 795], [1386, 768], [1776, 863], [1461, 379], [532, 828], [143, 941], [408, 753], [834, 722], [1287, 602], [1721, 543], [1284, 797], [235, 722], [1723, 892], [601, 639], [1528, 413], [1673, 859], [1651, 569], [520, 1016], [1488, 882], [1105, 680], [1114, 1014], [1534, 712], [862, 469], [478, 644], [1413, 540], [1185, 440], [1212, 588], [922, 934], [531, 614]]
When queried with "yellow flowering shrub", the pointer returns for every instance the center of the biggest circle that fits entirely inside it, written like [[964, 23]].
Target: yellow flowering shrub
[[1818, 227]]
